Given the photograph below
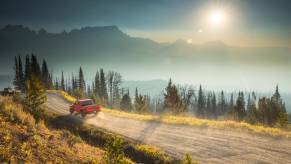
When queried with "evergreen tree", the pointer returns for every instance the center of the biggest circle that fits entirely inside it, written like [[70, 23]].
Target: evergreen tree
[[81, 81], [35, 97], [50, 84], [103, 88], [97, 85], [136, 95], [116, 89], [172, 99], [231, 103], [213, 106], [125, 103], [140, 104], [251, 112], [35, 68], [45, 76], [272, 111], [16, 75], [276, 95], [63, 82], [201, 103], [222, 104], [57, 86], [240, 112], [208, 111], [110, 77], [27, 68], [21, 75]]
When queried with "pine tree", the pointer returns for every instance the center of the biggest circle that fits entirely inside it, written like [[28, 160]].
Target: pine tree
[[201, 103], [277, 95], [35, 97], [222, 104], [50, 84], [57, 87], [81, 81], [116, 89], [63, 82], [213, 106], [136, 97], [35, 68], [125, 103], [20, 75], [172, 99], [140, 103], [231, 104], [97, 85], [16, 75], [45, 76], [240, 112], [208, 111], [103, 88], [27, 68], [251, 112], [278, 112]]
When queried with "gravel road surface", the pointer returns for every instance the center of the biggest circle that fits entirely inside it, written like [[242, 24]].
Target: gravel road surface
[[204, 144]]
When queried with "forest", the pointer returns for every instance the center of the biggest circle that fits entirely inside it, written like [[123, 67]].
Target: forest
[[31, 76]]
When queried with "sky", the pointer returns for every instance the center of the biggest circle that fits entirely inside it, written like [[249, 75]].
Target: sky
[[259, 23]]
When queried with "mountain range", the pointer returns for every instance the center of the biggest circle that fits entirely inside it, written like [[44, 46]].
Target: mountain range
[[214, 64]]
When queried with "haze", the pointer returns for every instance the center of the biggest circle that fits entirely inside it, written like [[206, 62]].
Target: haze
[[226, 45]]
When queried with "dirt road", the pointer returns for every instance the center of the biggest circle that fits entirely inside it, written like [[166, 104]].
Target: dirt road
[[204, 144]]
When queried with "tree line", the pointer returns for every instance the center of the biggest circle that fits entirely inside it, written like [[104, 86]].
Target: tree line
[[270, 111], [106, 90], [33, 80]]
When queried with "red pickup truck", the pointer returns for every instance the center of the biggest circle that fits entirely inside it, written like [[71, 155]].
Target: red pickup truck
[[84, 106]]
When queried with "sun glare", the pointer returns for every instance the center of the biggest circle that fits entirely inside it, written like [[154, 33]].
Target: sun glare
[[217, 18]]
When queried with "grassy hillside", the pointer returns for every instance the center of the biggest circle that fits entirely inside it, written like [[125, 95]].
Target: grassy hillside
[[24, 140], [192, 121], [63, 139]]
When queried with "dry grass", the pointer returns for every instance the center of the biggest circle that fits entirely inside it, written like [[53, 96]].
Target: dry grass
[[192, 121], [24, 141], [153, 152], [64, 94]]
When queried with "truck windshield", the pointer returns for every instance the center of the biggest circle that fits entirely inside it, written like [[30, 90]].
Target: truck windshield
[[87, 102]]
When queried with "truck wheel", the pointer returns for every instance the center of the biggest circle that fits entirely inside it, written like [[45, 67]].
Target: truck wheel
[[83, 113], [96, 112]]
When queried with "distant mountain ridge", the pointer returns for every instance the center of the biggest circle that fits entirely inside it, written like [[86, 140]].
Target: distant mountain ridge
[[144, 59]]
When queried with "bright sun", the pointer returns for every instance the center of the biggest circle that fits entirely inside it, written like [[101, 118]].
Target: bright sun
[[217, 18]]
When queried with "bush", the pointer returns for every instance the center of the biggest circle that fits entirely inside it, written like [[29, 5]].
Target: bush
[[188, 160], [154, 153], [114, 151]]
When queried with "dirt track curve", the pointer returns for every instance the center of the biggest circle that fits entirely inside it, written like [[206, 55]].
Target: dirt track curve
[[204, 144]]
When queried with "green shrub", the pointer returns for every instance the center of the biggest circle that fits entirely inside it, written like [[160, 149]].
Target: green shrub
[[114, 150], [188, 160]]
